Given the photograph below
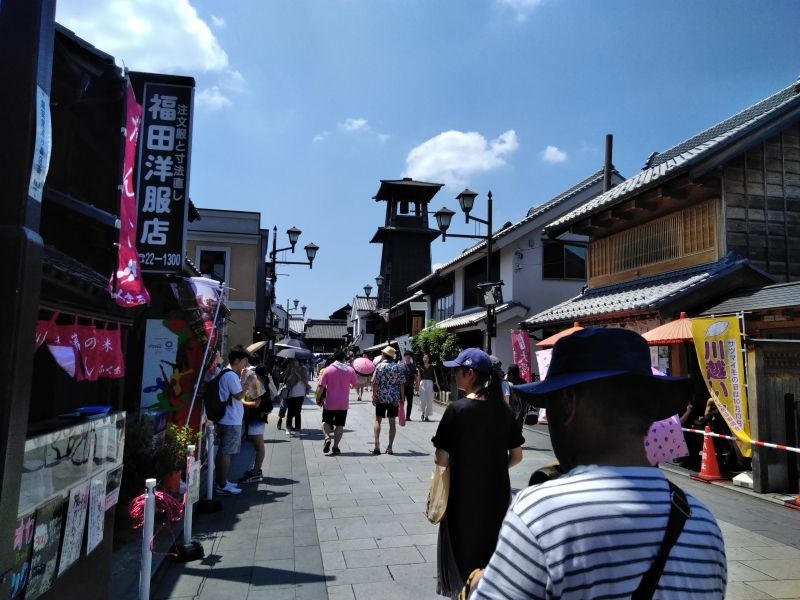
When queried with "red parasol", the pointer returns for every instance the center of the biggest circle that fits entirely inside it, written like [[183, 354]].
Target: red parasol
[[674, 332], [551, 341], [363, 366]]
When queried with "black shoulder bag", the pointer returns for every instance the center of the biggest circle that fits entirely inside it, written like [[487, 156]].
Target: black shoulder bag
[[678, 513]]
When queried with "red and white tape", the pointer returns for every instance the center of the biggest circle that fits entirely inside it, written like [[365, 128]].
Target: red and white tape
[[753, 442]]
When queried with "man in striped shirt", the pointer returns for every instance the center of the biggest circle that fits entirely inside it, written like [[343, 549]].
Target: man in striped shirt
[[595, 531]]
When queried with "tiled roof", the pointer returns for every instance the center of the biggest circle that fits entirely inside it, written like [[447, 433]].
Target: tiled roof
[[327, 330], [297, 324], [779, 295], [642, 294], [532, 214], [473, 316], [364, 303], [690, 152]]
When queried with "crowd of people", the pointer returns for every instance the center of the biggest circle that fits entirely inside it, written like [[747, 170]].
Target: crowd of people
[[604, 523]]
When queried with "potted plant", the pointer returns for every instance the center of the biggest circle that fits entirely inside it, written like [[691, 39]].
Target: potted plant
[[170, 455]]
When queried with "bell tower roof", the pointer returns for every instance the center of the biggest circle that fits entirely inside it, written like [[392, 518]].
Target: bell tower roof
[[406, 189]]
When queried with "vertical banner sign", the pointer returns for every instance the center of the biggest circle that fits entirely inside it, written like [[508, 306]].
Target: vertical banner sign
[[543, 362], [521, 343], [163, 176], [127, 286], [719, 352]]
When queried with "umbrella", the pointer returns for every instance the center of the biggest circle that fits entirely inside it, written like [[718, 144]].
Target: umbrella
[[298, 353], [551, 341], [289, 342], [255, 346], [363, 366], [674, 332]]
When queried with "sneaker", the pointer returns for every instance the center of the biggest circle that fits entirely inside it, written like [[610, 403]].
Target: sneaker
[[326, 447], [280, 422], [376, 451], [227, 490], [251, 476], [336, 451]]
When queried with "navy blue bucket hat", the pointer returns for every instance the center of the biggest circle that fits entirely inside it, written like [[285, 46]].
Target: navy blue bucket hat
[[599, 353]]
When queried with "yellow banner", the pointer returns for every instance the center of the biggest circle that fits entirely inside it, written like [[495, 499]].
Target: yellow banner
[[718, 341]]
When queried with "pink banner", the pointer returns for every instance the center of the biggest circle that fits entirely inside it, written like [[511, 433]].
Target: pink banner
[[127, 286], [521, 343]]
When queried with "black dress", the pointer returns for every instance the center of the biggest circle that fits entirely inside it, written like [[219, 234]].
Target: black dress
[[477, 434]]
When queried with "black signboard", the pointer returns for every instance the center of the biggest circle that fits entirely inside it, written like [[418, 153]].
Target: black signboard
[[162, 185]]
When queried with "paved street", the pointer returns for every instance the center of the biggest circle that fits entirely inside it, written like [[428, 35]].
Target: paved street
[[353, 527]]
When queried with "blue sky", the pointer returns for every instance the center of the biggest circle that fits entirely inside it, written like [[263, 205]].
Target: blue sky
[[302, 106]]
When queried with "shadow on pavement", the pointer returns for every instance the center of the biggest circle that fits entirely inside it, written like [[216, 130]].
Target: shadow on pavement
[[257, 575], [279, 481]]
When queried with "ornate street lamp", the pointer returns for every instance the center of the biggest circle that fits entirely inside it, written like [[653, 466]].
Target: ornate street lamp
[[293, 233], [367, 290], [444, 216]]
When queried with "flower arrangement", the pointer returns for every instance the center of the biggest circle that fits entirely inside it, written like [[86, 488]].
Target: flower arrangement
[[170, 452]]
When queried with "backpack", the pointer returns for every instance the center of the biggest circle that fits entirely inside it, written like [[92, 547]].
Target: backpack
[[214, 407]]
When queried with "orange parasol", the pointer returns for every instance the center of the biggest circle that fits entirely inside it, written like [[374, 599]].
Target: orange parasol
[[674, 332], [551, 341]]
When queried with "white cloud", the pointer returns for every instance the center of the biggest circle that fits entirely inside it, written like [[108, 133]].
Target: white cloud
[[320, 137], [218, 22], [165, 36], [354, 124], [553, 155], [521, 8], [452, 157], [212, 98], [384, 137]]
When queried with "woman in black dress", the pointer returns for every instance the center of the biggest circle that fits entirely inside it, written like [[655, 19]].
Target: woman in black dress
[[478, 439]]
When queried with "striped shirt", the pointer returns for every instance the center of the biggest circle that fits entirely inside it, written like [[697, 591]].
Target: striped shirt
[[594, 532]]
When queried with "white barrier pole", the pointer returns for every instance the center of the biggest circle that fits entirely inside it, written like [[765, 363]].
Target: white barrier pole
[[212, 453], [147, 537], [187, 507]]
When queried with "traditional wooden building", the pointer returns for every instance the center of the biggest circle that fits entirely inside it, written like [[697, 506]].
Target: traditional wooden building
[[717, 213]]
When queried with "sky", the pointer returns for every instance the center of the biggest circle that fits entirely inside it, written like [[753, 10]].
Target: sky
[[303, 106]]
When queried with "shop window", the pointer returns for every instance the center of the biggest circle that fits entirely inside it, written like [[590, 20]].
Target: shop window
[[563, 260]]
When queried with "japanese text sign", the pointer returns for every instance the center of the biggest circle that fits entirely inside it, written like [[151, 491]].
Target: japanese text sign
[[163, 176], [719, 352]]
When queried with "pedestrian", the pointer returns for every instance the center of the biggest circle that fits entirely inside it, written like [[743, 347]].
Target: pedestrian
[[410, 385], [425, 387], [257, 402], [296, 379], [519, 408], [363, 380], [595, 532], [229, 427], [479, 442], [335, 383], [387, 394]]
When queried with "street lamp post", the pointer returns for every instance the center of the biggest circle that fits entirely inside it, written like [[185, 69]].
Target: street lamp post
[[444, 216], [296, 313], [311, 252]]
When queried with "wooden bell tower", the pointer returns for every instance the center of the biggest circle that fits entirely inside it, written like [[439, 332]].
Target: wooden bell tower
[[405, 236]]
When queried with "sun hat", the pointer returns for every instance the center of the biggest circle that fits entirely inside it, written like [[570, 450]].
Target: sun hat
[[598, 353], [471, 358], [389, 351]]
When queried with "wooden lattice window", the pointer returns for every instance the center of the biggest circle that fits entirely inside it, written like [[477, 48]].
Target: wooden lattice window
[[674, 238]]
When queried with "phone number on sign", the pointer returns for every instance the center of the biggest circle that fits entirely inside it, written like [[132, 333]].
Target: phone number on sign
[[167, 260]]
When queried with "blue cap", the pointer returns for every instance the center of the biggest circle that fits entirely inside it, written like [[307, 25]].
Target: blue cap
[[471, 358]]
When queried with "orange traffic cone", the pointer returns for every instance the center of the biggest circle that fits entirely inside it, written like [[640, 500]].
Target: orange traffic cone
[[709, 469]]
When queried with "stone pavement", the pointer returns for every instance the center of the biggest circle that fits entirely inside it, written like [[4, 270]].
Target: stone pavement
[[353, 526]]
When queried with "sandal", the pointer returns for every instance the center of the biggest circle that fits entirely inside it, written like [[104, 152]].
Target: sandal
[[376, 451]]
